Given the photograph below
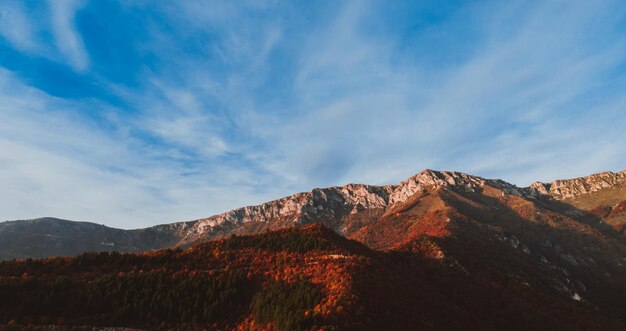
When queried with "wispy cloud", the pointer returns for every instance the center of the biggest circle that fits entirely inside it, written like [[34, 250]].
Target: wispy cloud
[[16, 27], [68, 39], [56, 162], [531, 86]]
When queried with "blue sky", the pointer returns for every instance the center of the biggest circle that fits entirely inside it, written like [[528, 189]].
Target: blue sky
[[137, 113]]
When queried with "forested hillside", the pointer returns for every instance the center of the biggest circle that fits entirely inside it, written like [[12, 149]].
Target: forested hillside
[[295, 279]]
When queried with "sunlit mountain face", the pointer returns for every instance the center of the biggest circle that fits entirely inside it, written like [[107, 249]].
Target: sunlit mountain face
[[441, 250]]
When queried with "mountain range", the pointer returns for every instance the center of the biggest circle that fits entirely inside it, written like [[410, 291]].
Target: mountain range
[[352, 211], [560, 244]]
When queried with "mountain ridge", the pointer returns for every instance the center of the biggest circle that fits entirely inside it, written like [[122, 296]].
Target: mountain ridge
[[385, 196], [570, 188], [345, 209]]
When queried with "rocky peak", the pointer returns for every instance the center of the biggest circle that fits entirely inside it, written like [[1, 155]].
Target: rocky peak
[[450, 179], [339, 201], [434, 179], [571, 188], [316, 205], [335, 203], [540, 188]]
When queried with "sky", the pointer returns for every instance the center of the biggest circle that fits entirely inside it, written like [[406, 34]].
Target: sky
[[136, 113]]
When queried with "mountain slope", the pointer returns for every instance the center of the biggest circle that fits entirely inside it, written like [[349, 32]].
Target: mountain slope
[[603, 195], [345, 209], [299, 278], [555, 241]]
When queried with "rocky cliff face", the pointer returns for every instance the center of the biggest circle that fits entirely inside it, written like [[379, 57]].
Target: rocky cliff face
[[459, 181], [329, 205], [319, 205], [572, 188]]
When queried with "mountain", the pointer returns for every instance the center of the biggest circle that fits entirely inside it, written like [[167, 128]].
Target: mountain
[[346, 209], [603, 195], [560, 243], [299, 278], [48, 236]]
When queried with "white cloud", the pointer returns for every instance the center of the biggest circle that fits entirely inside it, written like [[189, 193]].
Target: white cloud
[[365, 112], [53, 162], [67, 38], [370, 119], [17, 28]]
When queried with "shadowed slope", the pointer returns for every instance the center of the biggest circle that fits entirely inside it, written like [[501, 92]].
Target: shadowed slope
[[485, 232], [48, 236]]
